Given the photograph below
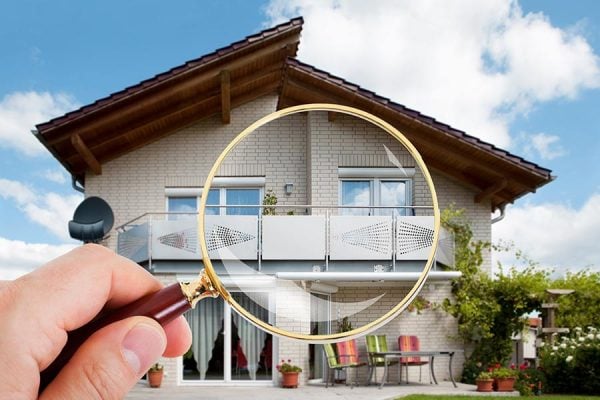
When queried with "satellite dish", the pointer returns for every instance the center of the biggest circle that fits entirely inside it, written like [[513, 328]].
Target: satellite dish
[[92, 220]]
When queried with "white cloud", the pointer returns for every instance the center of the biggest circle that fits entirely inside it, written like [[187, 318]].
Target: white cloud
[[553, 234], [546, 146], [473, 64], [50, 210], [55, 176], [21, 111], [18, 258]]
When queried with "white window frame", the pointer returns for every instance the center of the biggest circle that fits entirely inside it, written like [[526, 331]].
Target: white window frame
[[221, 184], [375, 176]]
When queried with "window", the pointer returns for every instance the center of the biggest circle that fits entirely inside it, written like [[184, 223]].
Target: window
[[219, 197], [375, 187]]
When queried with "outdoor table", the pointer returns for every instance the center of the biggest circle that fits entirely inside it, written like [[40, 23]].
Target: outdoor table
[[387, 355]]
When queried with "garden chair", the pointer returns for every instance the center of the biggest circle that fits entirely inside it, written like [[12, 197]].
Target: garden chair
[[411, 343], [345, 357], [377, 343]]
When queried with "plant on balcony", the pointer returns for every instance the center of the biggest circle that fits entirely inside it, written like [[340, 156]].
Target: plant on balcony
[[289, 374], [270, 199]]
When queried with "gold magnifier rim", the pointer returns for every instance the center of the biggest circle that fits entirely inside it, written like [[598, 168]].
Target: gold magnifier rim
[[414, 291]]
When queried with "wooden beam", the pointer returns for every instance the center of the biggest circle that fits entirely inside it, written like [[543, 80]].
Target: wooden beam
[[86, 154], [491, 190], [331, 116], [149, 103], [225, 96]]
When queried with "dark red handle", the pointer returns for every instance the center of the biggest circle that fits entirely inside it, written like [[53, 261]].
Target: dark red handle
[[162, 306]]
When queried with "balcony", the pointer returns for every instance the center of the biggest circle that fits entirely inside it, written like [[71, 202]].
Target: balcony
[[328, 242]]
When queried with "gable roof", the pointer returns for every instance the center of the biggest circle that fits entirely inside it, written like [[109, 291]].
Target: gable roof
[[260, 64]]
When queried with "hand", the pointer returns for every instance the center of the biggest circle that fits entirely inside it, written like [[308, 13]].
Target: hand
[[38, 309]]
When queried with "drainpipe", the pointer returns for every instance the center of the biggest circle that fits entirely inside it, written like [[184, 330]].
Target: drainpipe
[[75, 186], [499, 217]]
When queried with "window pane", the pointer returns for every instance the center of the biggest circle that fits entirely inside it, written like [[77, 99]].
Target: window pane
[[181, 205], [213, 198], [393, 193], [356, 193], [243, 197]]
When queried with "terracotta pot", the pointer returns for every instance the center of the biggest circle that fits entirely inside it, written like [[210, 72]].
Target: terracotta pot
[[485, 385], [290, 379], [155, 378], [505, 384]]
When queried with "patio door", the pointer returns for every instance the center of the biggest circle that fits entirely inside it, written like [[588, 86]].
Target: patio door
[[225, 347], [319, 324]]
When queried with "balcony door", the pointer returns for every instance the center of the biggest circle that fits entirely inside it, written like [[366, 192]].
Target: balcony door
[[357, 195]]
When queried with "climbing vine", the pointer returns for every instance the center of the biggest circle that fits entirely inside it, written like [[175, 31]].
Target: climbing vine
[[489, 311]]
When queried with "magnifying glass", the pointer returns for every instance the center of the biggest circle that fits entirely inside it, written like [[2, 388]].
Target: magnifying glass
[[311, 199]]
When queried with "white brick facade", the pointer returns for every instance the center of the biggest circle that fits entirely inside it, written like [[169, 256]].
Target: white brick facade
[[312, 148]]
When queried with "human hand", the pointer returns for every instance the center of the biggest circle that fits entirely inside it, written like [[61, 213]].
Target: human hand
[[38, 309]]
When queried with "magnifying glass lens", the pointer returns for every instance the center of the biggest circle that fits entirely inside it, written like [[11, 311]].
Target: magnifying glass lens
[[319, 223]]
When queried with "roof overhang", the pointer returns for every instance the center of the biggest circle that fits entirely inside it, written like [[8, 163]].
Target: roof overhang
[[497, 176], [260, 64], [84, 139]]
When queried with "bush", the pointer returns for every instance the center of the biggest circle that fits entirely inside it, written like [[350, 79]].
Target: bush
[[572, 364]]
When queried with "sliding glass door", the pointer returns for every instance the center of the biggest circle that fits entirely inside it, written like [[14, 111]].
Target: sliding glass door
[[226, 347]]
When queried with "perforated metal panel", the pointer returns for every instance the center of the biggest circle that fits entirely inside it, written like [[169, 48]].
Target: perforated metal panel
[[414, 237], [133, 243], [360, 238], [232, 236]]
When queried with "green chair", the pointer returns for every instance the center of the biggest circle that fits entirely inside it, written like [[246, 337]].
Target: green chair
[[377, 344]]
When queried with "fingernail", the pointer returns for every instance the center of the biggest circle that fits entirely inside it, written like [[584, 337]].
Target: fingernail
[[142, 346]]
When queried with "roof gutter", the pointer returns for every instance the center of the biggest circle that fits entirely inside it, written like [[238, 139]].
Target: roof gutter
[[501, 216]]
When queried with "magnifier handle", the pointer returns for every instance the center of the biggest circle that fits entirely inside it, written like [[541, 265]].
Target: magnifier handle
[[162, 306]]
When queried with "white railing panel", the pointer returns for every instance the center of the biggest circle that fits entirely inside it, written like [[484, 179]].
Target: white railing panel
[[414, 237], [298, 237], [175, 240], [133, 243], [232, 237], [360, 238]]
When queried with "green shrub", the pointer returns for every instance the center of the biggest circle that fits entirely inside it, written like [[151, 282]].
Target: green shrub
[[572, 363]]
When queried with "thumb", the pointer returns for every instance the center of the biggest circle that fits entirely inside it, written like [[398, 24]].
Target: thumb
[[110, 362]]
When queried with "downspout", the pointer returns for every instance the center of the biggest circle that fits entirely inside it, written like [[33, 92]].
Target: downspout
[[501, 216], [75, 186]]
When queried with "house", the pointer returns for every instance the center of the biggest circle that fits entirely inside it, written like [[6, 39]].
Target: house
[[148, 148]]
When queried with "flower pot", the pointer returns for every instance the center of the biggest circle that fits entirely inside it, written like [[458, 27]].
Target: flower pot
[[155, 378], [290, 379], [505, 384], [485, 385]]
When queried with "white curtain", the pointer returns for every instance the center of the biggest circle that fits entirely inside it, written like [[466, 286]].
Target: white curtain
[[252, 339], [205, 321]]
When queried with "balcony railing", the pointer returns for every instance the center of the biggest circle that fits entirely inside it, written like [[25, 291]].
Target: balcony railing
[[321, 236]]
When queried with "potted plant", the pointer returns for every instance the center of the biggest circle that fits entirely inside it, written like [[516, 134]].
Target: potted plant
[[155, 375], [289, 373], [270, 199], [485, 382], [505, 379]]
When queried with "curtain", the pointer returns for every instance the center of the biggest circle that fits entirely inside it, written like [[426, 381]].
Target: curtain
[[205, 321], [252, 339]]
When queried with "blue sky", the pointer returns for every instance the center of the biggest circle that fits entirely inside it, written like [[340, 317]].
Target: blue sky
[[58, 55]]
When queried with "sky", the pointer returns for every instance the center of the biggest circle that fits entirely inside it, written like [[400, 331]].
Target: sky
[[523, 75]]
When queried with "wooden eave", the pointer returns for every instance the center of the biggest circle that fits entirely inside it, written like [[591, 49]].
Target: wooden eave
[[214, 84], [496, 175]]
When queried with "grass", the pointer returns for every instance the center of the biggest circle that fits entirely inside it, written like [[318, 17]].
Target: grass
[[544, 397]]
